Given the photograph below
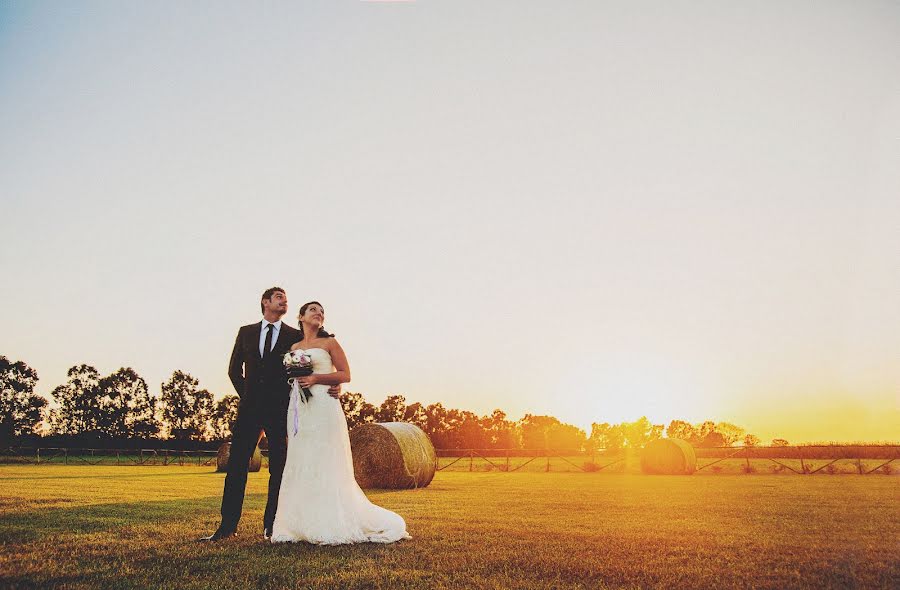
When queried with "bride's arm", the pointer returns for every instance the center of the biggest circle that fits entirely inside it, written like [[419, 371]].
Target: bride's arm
[[341, 367]]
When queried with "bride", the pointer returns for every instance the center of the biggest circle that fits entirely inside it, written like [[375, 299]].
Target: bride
[[320, 501]]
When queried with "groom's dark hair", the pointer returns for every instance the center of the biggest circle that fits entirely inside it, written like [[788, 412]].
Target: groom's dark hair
[[267, 294]]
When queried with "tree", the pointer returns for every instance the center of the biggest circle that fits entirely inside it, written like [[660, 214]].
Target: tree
[[435, 420], [751, 440], [471, 434], [535, 429], [681, 429], [356, 409], [21, 409], [702, 431], [500, 433], [392, 409], [224, 416], [415, 414], [565, 436], [607, 437], [547, 432], [640, 432], [712, 439], [186, 409], [126, 407], [779, 442], [80, 409], [730, 432]]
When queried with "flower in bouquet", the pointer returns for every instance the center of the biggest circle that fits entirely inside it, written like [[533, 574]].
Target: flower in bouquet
[[300, 365]]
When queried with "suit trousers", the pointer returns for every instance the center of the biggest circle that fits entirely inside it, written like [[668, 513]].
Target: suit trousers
[[252, 420]]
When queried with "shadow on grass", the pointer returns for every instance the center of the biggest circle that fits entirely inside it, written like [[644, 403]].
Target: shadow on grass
[[36, 525]]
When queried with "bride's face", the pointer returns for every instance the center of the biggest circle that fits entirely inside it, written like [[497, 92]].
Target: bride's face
[[314, 315]]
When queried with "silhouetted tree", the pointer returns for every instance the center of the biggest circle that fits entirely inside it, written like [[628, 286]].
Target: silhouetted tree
[[415, 414], [391, 409], [751, 440], [186, 409], [224, 415], [21, 409], [356, 409], [126, 407], [779, 442], [80, 409]]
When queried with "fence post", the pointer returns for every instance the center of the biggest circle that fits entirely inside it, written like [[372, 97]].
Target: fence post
[[38, 455], [471, 458], [859, 466], [548, 463], [507, 460]]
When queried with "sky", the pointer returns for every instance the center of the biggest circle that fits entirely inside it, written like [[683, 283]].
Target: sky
[[593, 210]]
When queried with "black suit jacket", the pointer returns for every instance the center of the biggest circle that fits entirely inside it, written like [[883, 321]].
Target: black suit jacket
[[254, 379]]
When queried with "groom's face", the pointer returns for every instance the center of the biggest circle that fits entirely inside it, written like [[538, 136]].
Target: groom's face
[[277, 304]]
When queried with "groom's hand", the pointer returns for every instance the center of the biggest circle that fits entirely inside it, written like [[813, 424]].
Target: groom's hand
[[335, 391]]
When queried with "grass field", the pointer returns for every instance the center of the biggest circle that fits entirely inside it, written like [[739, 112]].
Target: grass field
[[134, 527]]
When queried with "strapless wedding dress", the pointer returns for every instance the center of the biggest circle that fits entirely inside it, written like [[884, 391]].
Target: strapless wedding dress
[[320, 501]]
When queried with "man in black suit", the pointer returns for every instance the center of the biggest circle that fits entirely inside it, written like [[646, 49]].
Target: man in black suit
[[259, 377]]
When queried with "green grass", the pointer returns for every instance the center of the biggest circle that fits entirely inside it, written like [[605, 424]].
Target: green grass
[[134, 527]]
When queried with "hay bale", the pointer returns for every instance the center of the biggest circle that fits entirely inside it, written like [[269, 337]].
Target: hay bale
[[393, 455], [668, 456], [225, 452]]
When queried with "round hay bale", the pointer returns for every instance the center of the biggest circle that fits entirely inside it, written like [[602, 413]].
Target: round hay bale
[[225, 452], [669, 456], [392, 455]]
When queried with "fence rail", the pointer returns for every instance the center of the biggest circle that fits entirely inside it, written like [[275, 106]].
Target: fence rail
[[810, 458], [801, 460], [88, 456]]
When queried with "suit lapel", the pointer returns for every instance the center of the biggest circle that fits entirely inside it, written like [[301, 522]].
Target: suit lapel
[[284, 335], [256, 332]]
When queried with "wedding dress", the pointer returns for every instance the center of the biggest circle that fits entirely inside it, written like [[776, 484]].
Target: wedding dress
[[320, 501]]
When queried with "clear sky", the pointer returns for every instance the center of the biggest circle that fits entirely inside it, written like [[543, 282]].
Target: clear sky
[[587, 209]]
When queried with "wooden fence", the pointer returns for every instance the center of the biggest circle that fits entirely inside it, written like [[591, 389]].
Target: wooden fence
[[801, 460]]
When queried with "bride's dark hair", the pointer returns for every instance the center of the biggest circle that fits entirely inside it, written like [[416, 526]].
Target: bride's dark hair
[[322, 333]]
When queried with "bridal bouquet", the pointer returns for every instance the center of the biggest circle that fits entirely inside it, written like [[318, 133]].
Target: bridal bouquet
[[299, 361]]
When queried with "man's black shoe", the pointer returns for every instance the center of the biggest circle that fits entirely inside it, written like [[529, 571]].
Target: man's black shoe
[[219, 535]]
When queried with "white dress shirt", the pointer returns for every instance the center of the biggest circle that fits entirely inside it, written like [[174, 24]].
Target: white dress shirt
[[276, 328]]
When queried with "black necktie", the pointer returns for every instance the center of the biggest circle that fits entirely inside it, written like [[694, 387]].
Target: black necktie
[[268, 345]]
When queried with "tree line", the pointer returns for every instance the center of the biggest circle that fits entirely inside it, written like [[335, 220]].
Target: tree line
[[120, 406]]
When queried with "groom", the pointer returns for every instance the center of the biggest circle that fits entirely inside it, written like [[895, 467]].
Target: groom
[[259, 377]]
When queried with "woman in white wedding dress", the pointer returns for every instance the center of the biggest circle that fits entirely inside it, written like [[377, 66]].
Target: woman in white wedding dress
[[320, 501]]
